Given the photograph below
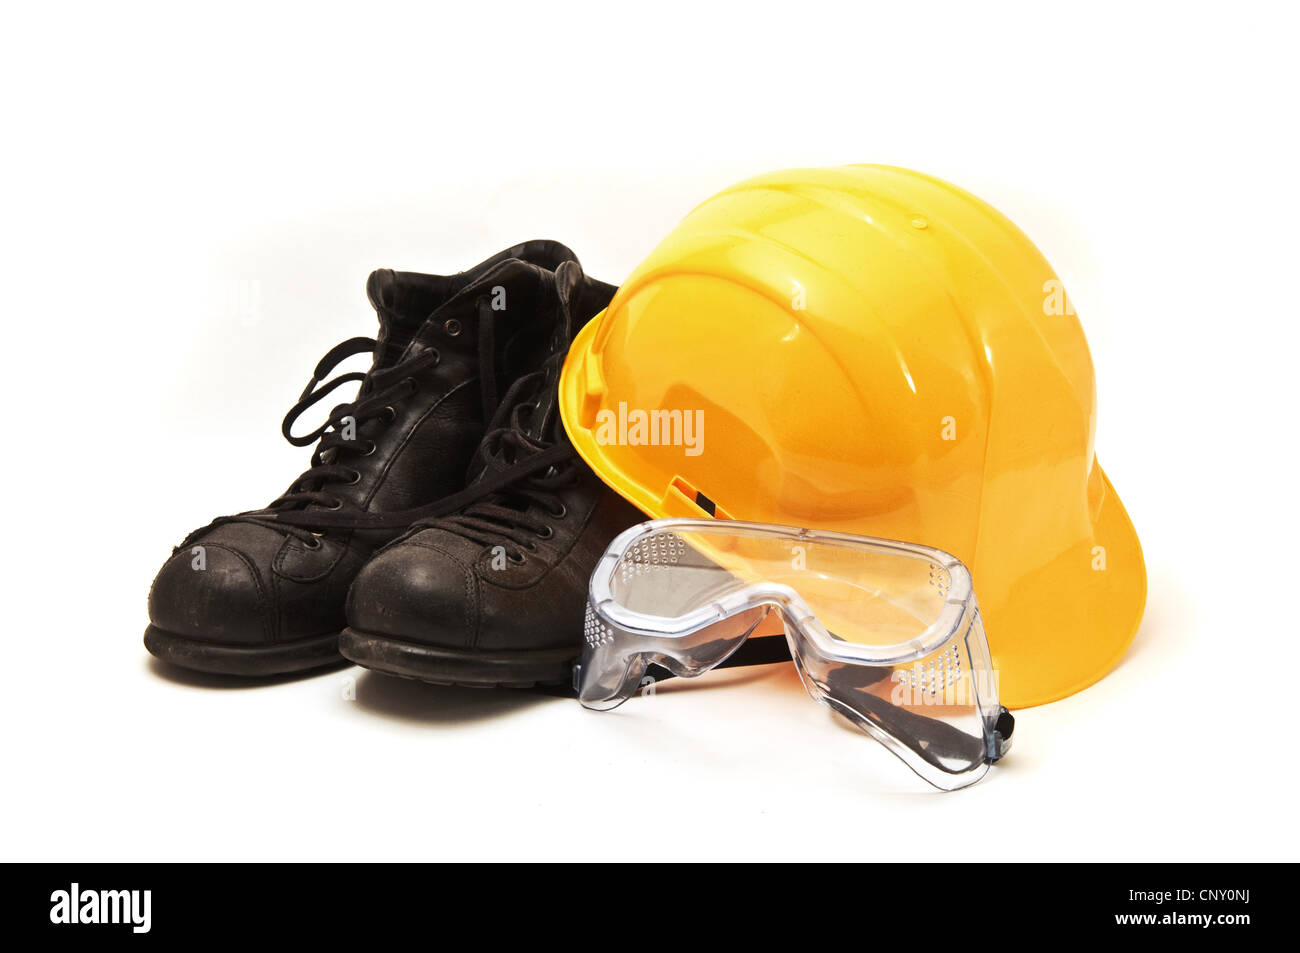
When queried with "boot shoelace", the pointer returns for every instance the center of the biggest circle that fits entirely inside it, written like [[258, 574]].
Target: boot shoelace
[[512, 469], [500, 506], [381, 389]]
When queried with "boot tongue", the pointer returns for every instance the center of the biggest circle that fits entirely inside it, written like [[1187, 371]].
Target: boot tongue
[[402, 300]]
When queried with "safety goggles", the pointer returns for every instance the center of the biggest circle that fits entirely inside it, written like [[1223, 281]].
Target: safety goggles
[[887, 634]]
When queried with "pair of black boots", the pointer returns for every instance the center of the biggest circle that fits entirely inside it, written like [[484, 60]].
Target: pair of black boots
[[446, 529]]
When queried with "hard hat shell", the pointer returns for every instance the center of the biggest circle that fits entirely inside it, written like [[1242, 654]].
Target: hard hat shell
[[872, 350]]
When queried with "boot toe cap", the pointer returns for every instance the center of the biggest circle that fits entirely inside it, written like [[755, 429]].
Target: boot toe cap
[[212, 593], [416, 592]]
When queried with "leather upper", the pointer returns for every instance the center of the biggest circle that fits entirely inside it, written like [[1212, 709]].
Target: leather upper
[[509, 574], [436, 587]]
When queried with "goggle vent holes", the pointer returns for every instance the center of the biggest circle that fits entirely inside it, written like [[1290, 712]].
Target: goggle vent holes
[[651, 553], [938, 673], [940, 579], [595, 632]]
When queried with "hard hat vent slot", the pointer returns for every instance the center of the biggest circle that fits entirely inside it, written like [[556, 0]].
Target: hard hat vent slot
[[685, 499]]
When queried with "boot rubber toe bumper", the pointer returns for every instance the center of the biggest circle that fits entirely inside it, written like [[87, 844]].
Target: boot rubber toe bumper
[[440, 665], [228, 658]]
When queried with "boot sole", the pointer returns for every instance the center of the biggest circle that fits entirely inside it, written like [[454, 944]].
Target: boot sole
[[464, 667], [226, 659]]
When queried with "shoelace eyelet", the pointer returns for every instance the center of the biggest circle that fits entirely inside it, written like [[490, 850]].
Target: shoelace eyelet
[[452, 327], [390, 414], [312, 543], [560, 513], [335, 505], [370, 448], [545, 532], [354, 479], [516, 558]]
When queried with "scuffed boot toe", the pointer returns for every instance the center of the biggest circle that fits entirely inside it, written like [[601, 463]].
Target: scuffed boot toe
[[211, 593], [415, 592], [417, 610], [209, 610]]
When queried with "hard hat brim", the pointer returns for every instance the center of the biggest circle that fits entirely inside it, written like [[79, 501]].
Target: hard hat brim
[[1067, 625]]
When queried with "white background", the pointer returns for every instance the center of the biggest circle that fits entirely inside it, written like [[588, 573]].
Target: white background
[[153, 159]]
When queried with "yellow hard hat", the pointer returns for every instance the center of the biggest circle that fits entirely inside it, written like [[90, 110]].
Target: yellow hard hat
[[872, 350]]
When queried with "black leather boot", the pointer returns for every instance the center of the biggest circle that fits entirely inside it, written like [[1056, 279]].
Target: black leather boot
[[494, 593], [262, 592]]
